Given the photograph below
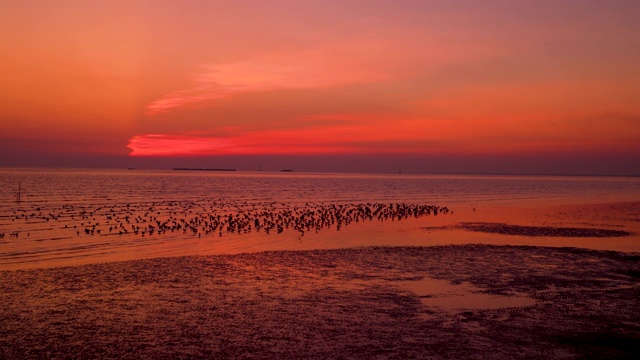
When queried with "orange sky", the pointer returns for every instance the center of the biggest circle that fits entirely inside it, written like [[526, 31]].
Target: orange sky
[[419, 83]]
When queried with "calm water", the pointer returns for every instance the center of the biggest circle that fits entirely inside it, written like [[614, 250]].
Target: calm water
[[59, 206], [55, 187]]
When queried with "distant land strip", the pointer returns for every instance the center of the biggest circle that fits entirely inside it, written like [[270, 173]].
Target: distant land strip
[[202, 169]]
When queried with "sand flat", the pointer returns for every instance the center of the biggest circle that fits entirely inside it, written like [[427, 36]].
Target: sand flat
[[342, 303]]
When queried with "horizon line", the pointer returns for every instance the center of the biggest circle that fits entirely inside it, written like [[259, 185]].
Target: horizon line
[[395, 172]]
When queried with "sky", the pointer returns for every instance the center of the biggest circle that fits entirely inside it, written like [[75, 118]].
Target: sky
[[493, 86]]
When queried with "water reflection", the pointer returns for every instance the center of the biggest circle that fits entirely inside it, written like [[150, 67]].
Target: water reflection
[[446, 295]]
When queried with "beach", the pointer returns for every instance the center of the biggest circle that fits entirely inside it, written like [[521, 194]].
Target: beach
[[475, 299]]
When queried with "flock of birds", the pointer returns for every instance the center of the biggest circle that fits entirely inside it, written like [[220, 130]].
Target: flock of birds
[[205, 217]]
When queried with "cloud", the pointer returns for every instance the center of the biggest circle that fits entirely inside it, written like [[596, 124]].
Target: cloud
[[390, 56], [320, 134], [176, 145], [312, 69]]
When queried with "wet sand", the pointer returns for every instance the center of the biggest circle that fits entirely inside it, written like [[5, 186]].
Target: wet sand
[[520, 230], [53, 237], [477, 297], [35, 235], [463, 301]]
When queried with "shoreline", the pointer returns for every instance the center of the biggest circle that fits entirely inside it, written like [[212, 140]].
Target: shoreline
[[595, 226]]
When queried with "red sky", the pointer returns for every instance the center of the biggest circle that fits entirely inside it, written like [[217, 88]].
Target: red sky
[[430, 86]]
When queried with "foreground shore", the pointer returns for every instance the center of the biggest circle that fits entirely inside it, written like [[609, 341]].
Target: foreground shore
[[464, 301]]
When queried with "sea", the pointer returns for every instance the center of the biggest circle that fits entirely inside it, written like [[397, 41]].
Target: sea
[[66, 217]]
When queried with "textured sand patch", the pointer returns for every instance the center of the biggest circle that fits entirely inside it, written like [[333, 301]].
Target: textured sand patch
[[347, 303]]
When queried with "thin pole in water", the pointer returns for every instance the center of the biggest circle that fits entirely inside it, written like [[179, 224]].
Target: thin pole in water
[[19, 191]]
